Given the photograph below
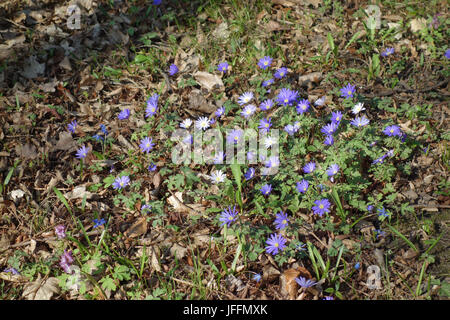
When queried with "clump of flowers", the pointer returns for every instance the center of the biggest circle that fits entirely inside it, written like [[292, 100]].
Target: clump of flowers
[[358, 108], [223, 67], [152, 105], [360, 121], [348, 91], [121, 182], [387, 52], [286, 96], [332, 170], [305, 283], [281, 220], [60, 231], [303, 106], [248, 111], [244, 98], [146, 144], [234, 136], [173, 69], [266, 105], [321, 206], [202, 123], [72, 126], [186, 123], [124, 114], [275, 243], [392, 131], [265, 124], [228, 216], [265, 62], [309, 167], [218, 176], [266, 189], [66, 261], [99, 222], [249, 174], [302, 186], [280, 73], [82, 152]]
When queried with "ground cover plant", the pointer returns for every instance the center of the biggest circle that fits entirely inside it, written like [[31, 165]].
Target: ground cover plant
[[224, 150]]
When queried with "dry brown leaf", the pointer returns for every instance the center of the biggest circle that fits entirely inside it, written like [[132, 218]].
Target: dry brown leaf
[[157, 180], [221, 32], [418, 24], [306, 79], [50, 86], [65, 142], [16, 195], [289, 286], [198, 102], [155, 262], [273, 26], [138, 228], [291, 3], [270, 273], [178, 251], [4, 242], [32, 68], [27, 151], [41, 289], [176, 200], [78, 193], [410, 254], [208, 80], [8, 276]]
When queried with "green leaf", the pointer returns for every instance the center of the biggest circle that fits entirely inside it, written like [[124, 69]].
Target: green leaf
[[445, 289], [236, 257], [331, 41], [236, 170], [108, 283], [122, 272], [108, 181]]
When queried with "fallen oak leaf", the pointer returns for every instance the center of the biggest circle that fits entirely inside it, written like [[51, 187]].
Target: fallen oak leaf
[[137, 229], [41, 289], [208, 80]]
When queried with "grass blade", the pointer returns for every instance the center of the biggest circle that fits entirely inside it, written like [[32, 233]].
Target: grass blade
[[403, 237], [236, 257]]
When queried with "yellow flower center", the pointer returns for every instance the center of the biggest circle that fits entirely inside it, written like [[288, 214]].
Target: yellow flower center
[[392, 130], [286, 100], [121, 183], [349, 92], [266, 63], [276, 244], [284, 222], [321, 206], [266, 125]]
